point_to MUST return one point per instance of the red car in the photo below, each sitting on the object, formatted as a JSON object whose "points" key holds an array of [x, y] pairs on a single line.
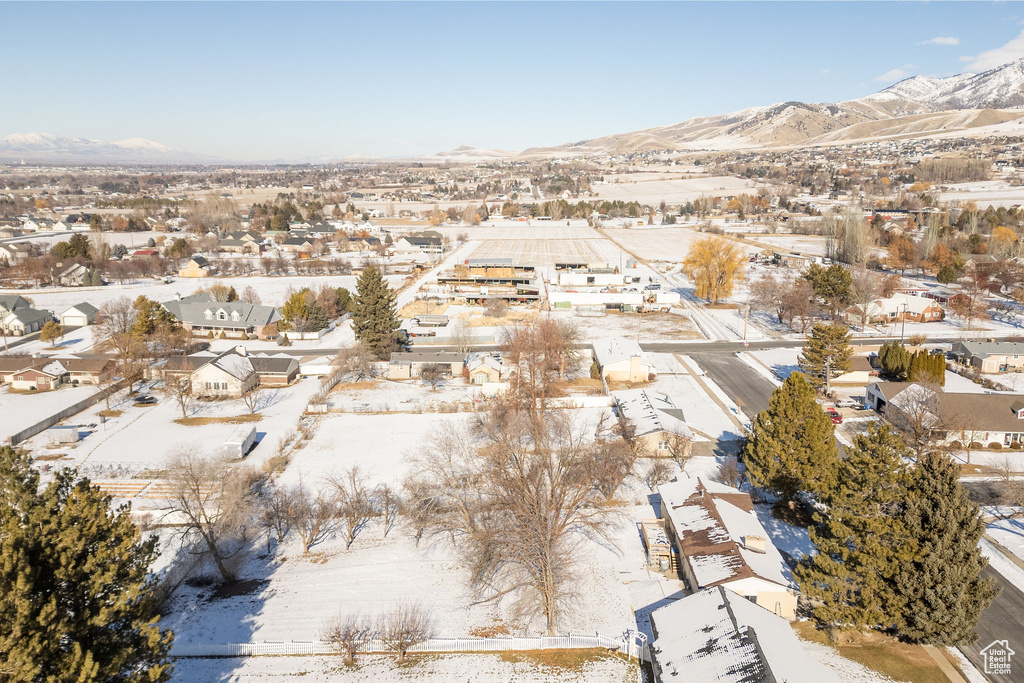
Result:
{"points": [[837, 419]]}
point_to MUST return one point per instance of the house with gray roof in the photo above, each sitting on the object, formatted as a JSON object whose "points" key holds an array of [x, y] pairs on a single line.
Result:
{"points": [[22, 321], [990, 357], [200, 314]]}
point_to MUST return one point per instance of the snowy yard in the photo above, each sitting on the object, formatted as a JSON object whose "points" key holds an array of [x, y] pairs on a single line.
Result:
{"points": [[21, 409], [482, 668], [702, 413], [142, 437]]}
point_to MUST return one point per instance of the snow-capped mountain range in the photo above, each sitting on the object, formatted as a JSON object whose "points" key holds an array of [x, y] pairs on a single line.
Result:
{"points": [[920, 106], [991, 102], [40, 147]]}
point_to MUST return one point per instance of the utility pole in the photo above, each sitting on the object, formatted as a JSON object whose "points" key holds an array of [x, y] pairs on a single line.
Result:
{"points": [[746, 314], [904, 327]]}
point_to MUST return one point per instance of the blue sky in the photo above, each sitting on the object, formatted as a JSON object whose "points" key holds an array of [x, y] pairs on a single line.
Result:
{"points": [[295, 80]]}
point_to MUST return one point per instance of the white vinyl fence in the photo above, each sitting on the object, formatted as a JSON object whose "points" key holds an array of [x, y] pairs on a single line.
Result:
{"points": [[632, 644]]}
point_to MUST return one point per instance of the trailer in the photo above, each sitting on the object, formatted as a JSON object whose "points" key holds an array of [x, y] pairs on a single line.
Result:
{"points": [[240, 442], [63, 434]]}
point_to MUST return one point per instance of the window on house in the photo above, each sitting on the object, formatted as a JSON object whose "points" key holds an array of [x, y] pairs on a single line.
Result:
{"points": [[663, 445], [234, 315], [221, 315], [208, 315], [208, 386]]}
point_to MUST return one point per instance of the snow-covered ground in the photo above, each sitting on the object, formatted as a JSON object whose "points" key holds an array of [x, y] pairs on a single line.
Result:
{"points": [[78, 340], [142, 437], [21, 410], [782, 362], [702, 413], [482, 668], [1010, 534], [1010, 571], [271, 290]]}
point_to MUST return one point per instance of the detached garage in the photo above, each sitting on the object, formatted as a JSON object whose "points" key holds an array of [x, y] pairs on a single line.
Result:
{"points": [[79, 315]]}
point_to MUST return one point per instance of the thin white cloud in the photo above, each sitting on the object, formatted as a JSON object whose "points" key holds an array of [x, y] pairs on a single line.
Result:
{"points": [[990, 59], [941, 40], [897, 74]]}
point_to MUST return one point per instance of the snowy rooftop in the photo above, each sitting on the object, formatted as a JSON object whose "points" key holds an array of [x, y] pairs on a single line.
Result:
{"points": [[235, 365], [712, 522], [615, 349], [651, 412], [715, 635]]}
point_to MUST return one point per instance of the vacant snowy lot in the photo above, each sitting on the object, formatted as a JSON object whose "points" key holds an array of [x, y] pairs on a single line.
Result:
{"points": [[673, 191], [21, 409], [661, 244]]}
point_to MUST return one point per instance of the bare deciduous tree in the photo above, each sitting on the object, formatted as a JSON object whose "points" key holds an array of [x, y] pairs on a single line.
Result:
{"points": [[348, 634], [216, 504], [115, 332], [388, 503], [405, 626], [657, 472], [355, 360], [250, 296], [253, 397], [354, 501], [492, 487], [179, 389], [313, 515], [612, 463], [434, 374], [275, 511]]}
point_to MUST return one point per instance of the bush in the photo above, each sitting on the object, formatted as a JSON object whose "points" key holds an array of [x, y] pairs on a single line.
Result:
{"points": [[916, 339], [995, 445], [595, 371], [1016, 445], [975, 445], [209, 335], [956, 445], [222, 335]]}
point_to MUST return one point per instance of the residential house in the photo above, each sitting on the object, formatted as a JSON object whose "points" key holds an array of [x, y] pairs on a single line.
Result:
{"points": [[410, 364], [79, 315], [621, 360], [74, 275], [944, 295], [199, 313], [981, 264], [12, 302], [988, 419], [148, 252], [712, 635], [227, 375], [236, 246], [275, 370], [897, 308], [32, 374], [861, 373], [428, 242], [88, 370], [24, 321], [721, 542], [13, 252], [659, 425], [298, 245], [483, 368], [197, 266], [990, 357]]}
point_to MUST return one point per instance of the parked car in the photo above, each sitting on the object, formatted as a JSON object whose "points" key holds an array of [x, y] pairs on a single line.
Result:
{"points": [[144, 401], [653, 287], [837, 419]]}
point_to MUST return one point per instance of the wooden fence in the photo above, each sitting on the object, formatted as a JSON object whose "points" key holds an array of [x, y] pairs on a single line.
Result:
{"points": [[632, 644]]}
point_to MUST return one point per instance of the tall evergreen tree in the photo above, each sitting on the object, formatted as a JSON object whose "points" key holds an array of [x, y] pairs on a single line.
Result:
{"points": [[792, 447], [74, 589], [895, 360], [826, 354], [860, 539], [373, 315], [941, 587]]}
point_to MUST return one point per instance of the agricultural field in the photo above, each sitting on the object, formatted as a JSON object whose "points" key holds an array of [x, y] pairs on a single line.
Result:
{"points": [[674, 191]]}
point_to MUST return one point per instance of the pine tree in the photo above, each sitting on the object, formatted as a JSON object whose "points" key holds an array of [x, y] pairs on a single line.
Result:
{"points": [[895, 361], [941, 587], [826, 354], [74, 587], [373, 315], [860, 539], [792, 447]]}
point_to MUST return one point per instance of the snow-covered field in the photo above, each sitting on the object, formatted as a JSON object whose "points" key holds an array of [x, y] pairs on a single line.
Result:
{"points": [[270, 289], [662, 243], [142, 437], [782, 362], [673, 191], [21, 410]]}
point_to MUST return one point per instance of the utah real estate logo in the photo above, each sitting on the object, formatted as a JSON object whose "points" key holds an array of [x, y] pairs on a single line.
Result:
{"points": [[997, 657]]}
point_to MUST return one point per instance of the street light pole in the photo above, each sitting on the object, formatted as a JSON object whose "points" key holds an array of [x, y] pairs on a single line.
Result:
{"points": [[903, 328]]}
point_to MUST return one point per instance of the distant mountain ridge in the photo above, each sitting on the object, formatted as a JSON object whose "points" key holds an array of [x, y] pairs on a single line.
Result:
{"points": [[914, 107], [46, 147]]}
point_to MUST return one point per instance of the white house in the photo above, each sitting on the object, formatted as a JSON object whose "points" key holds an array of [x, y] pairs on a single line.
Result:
{"points": [[659, 424], [621, 360], [228, 375]]}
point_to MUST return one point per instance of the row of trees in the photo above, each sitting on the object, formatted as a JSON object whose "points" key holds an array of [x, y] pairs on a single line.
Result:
{"points": [[896, 547], [900, 365]]}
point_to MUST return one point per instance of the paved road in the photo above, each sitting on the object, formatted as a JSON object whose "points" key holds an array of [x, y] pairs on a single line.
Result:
{"points": [[1003, 620], [744, 385]]}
